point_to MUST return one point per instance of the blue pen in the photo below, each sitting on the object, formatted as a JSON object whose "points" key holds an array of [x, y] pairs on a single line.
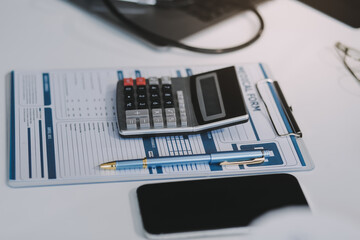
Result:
{"points": [[221, 158]]}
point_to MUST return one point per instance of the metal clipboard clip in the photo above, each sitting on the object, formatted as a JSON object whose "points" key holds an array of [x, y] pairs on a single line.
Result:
{"points": [[279, 112]]}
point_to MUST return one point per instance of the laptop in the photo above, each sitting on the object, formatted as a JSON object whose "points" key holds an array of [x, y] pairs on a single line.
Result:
{"points": [[177, 19]]}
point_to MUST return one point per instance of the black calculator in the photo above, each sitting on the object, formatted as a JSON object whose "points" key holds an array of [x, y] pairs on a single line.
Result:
{"points": [[163, 105]]}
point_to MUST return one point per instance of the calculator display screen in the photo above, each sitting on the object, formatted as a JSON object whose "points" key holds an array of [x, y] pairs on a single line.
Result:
{"points": [[211, 97]]}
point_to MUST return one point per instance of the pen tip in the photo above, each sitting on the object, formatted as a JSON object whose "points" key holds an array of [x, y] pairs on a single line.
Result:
{"points": [[109, 166]]}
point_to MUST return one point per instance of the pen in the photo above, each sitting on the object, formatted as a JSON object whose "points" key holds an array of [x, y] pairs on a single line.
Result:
{"points": [[221, 158]]}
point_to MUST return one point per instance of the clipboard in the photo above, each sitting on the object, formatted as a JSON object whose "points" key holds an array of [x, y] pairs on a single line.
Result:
{"points": [[52, 144]]}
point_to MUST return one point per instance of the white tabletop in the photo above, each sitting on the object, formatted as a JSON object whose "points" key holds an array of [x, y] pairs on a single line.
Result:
{"points": [[298, 45]]}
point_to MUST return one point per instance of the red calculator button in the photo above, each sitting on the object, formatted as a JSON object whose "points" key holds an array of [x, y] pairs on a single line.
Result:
{"points": [[140, 81], [128, 82]]}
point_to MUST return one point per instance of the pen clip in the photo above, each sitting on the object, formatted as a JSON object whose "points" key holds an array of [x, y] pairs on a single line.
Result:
{"points": [[247, 162]]}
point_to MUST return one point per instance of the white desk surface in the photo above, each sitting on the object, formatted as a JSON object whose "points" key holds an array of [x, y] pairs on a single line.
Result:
{"points": [[298, 45]]}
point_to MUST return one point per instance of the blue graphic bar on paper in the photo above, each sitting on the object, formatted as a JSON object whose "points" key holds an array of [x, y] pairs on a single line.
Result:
{"points": [[12, 130], [137, 73], [29, 152], [46, 88], [120, 75], [41, 150], [50, 144]]}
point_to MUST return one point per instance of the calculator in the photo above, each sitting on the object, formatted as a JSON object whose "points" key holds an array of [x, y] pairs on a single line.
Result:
{"points": [[164, 105]]}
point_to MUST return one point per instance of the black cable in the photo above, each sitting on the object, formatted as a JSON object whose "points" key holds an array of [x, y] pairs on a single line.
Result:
{"points": [[161, 40]]}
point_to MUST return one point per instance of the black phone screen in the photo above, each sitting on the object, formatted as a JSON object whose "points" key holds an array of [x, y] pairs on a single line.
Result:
{"points": [[214, 203]]}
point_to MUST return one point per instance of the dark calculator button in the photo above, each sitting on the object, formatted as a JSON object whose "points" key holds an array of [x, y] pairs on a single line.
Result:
{"points": [[167, 94], [141, 96], [129, 105], [129, 97], [168, 103], [166, 88], [154, 88], [141, 89], [128, 89], [154, 95], [155, 103], [142, 105]]}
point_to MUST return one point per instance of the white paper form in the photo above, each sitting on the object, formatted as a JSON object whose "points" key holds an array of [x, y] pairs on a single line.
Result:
{"points": [[64, 126]]}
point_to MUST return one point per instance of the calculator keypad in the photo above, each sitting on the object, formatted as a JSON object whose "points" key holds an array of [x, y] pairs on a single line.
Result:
{"points": [[150, 104]]}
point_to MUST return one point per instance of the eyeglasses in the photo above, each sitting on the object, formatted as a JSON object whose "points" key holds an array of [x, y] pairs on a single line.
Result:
{"points": [[350, 58]]}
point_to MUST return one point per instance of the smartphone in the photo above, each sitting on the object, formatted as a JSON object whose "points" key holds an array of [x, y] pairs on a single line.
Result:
{"points": [[213, 206]]}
